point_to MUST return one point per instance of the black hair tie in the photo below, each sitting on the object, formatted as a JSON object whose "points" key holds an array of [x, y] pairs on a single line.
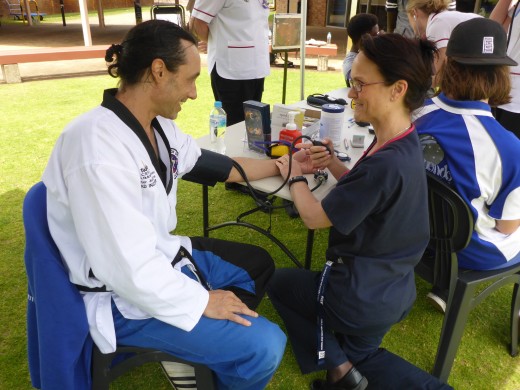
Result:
{"points": [[113, 49]]}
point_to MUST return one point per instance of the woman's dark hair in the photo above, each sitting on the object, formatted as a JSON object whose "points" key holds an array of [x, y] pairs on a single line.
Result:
{"points": [[476, 82], [360, 24], [400, 58], [144, 43]]}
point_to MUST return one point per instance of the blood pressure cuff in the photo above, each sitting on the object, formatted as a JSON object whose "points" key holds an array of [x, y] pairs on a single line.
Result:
{"points": [[318, 100], [210, 168]]}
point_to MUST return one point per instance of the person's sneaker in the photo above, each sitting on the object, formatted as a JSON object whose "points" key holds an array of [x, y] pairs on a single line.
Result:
{"points": [[437, 302], [181, 376]]}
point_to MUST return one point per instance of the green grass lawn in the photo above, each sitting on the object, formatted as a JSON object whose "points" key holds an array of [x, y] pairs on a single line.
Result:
{"points": [[33, 115]]}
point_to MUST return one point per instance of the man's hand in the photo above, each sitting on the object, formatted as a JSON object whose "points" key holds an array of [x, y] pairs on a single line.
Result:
{"points": [[203, 47], [225, 305], [283, 165]]}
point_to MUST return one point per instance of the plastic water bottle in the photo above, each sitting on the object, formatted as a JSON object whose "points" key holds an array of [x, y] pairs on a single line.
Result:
{"points": [[217, 127], [329, 37]]}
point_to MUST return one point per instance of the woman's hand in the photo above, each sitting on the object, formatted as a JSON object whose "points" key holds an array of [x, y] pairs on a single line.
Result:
{"points": [[302, 158], [320, 156]]}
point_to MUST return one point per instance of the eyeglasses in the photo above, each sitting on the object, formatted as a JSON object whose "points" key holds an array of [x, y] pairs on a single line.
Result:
{"points": [[358, 85]]}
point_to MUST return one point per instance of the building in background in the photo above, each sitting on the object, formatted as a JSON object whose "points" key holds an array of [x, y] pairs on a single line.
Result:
{"points": [[331, 13]]}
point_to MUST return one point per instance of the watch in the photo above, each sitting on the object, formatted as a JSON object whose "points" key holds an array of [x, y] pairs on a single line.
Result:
{"points": [[296, 179]]}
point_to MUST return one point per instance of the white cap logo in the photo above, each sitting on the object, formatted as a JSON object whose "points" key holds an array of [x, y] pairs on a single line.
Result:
{"points": [[488, 46]]}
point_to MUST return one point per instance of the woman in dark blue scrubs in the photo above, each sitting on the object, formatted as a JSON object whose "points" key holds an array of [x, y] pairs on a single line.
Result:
{"points": [[378, 220]]}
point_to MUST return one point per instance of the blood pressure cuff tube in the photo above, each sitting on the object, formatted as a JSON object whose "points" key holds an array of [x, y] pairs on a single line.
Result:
{"points": [[210, 168]]}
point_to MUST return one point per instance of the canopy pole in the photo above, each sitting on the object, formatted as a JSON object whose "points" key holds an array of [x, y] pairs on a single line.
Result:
{"points": [[85, 24], [302, 48], [101, 14], [27, 12]]}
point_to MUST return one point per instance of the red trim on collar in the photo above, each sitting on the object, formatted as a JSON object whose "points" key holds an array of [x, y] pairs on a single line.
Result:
{"points": [[412, 128]]}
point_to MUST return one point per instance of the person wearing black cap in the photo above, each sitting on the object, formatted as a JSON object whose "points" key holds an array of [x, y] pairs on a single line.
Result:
{"points": [[466, 147], [431, 19], [507, 12]]}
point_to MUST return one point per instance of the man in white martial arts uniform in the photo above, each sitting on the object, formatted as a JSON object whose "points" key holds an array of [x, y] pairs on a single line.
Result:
{"points": [[111, 194]]}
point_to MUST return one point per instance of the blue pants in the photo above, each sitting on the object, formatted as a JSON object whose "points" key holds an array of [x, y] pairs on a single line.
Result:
{"points": [[242, 358]]}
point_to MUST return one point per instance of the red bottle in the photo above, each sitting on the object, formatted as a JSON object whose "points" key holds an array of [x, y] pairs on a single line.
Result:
{"points": [[291, 132]]}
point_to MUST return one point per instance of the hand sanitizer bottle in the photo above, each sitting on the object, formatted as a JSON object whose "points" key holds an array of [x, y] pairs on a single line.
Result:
{"points": [[291, 132]]}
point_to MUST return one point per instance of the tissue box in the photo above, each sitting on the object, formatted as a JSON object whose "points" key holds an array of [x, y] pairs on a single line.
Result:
{"points": [[280, 118], [306, 121]]}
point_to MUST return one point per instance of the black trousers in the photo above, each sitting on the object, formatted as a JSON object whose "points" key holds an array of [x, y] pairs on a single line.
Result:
{"points": [[293, 293], [232, 93], [387, 371], [510, 120]]}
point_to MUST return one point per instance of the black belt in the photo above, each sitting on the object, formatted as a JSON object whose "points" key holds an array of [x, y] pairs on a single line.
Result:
{"points": [[182, 253], [91, 289]]}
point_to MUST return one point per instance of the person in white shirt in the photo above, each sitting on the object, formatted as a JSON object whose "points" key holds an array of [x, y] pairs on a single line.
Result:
{"points": [[237, 33], [111, 195], [431, 19], [507, 12], [397, 20]]}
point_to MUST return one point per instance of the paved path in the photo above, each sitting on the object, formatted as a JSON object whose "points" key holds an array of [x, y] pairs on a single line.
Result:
{"points": [[46, 34], [18, 35]]}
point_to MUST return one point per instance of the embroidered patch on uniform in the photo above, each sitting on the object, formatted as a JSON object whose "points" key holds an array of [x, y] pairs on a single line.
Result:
{"points": [[488, 46], [434, 161], [148, 177], [174, 160]]}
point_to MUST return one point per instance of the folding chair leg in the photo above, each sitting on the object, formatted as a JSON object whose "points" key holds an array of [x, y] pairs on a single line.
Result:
{"points": [[515, 309], [100, 368], [452, 330], [204, 377]]}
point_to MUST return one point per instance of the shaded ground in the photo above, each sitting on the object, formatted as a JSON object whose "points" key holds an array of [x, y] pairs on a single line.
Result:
{"points": [[16, 35]]}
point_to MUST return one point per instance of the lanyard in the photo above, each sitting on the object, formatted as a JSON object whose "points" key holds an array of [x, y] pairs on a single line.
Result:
{"points": [[321, 312]]}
